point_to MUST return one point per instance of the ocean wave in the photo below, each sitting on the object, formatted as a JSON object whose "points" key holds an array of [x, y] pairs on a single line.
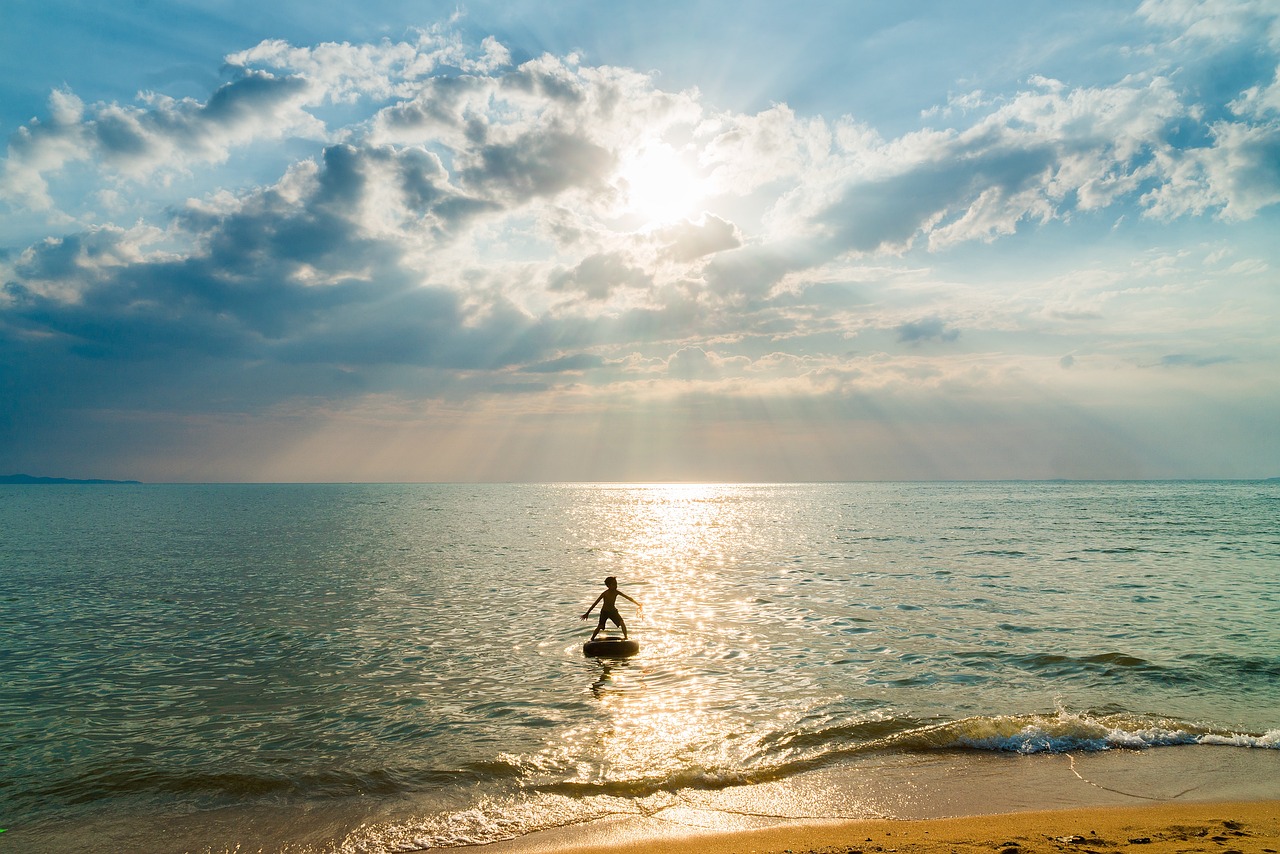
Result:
{"points": [[1067, 732], [1249, 667], [1269, 740], [1061, 665], [138, 779], [787, 753], [779, 755], [551, 805], [1191, 669]]}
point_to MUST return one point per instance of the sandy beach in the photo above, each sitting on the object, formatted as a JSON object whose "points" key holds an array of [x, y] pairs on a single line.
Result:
{"points": [[1244, 828]]}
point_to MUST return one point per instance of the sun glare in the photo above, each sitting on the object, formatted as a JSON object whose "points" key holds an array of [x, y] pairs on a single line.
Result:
{"points": [[659, 185]]}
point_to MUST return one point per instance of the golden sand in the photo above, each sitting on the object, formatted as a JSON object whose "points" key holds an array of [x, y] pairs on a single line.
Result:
{"points": [[1225, 828]]}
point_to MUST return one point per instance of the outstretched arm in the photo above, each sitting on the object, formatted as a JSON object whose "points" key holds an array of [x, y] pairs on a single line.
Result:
{"points": [[629, 599], [594, 604]]}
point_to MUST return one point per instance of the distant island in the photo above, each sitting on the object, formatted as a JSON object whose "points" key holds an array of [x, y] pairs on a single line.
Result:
{"points": [[31, 479]]}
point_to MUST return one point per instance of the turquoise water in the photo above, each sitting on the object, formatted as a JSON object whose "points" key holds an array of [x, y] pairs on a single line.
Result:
{"points": [[366, 667]]}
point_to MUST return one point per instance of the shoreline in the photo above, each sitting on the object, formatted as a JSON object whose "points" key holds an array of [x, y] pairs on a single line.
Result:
{"points": [[1179, 799], [1251, 827], [959, 796]]}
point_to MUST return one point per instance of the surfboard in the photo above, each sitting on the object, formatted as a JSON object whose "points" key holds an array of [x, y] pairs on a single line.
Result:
{"points": [[611, 647]]}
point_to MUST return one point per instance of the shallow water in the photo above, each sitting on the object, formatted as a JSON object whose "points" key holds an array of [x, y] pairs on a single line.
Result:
{"points": [[405, 660]]}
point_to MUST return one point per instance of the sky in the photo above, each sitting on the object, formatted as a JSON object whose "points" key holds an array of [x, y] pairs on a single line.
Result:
{"points": [[639, 241]]}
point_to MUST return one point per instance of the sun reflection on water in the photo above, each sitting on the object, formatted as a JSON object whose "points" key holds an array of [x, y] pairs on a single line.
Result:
{"points": [[669, 736], [678, 526], [662, 716]]}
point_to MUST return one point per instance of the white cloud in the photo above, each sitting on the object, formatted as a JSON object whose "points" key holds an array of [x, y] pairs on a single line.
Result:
{"points": [[1216, 21], [346, 72], [1033, 157], [742, 153], [40, 148], [1238, 175], [1259, 101]]}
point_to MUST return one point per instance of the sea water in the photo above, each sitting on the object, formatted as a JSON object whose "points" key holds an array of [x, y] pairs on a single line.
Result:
{"points": [[386, 667]]}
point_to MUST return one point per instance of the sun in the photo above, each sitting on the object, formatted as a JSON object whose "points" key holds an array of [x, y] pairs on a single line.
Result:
{"points": [[658, 185]]}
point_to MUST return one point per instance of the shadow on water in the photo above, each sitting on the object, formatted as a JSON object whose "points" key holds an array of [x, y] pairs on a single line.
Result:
{"points": [[604, 683], [614, 675]]}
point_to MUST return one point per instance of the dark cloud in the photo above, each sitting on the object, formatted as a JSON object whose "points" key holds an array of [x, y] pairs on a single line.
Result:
{"points": [[285, 291], [926, 329], [597, 276], [517, 388], [248, 101], [572, 363], [1185, 360], [889, 212], [688, 241], [68, 256], [253, 96], [121, 135], [423, 179], [425, 188], [546, 78], [168, 131], [539, 163], [752, 271], [438, 104]]}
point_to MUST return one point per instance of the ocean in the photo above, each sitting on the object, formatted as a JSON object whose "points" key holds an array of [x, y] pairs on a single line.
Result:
{"points": [[360, 668]]}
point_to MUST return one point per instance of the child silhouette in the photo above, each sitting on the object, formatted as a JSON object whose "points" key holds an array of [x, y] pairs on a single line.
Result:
{"points": [[608, 607]]}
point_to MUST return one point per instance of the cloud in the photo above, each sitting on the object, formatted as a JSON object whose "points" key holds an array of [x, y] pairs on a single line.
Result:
{"points": [[926, 329], [442, 222], [1259, 101], [688, 241], [490, 155], [1239, 175], [693, 363], [57, 261], [296, 272], [1186, 360], [163, 136], [1215, 21], [1036, 156], [743, 153], [539, 163], [598, 276], [753, 270], [573, 363], [346, 72], [886, 214]]}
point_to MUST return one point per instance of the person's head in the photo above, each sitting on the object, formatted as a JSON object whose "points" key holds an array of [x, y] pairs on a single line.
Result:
{"points": [[611, 582]]}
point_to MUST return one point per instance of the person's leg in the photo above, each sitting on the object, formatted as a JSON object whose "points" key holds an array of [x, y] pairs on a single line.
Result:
{"points": [[611, 615], [617, 621], [599, 626]]}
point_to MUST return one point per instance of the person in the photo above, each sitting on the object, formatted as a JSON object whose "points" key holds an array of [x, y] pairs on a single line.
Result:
{"points": [[609, 608]]}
